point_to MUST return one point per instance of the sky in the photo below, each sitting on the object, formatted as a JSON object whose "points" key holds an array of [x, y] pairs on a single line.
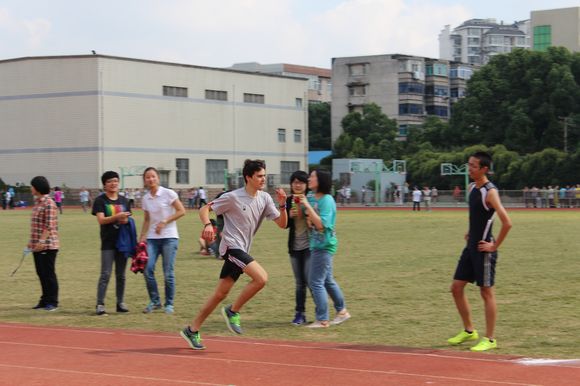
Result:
{"points": [[219, 33]]}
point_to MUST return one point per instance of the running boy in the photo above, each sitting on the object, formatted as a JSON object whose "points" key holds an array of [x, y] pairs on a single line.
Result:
{"points": [[477, 262], [243, 209]]}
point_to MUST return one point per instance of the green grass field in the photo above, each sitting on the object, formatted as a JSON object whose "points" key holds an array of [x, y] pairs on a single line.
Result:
{"points": [[395, 268]]}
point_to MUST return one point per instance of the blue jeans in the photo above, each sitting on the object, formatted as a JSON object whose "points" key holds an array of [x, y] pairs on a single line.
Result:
{"points": [[300, 261], [167, 248], [322, 284]]}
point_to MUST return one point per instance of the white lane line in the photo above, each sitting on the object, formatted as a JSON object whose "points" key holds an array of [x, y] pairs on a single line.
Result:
{"points": [[48, 370], [244, 361]]}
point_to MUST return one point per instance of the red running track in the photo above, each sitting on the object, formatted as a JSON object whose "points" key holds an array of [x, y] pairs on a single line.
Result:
{"points": [[33, 355]]}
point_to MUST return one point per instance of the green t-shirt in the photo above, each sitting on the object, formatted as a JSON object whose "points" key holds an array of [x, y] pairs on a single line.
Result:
{"points": [[326, 209]]}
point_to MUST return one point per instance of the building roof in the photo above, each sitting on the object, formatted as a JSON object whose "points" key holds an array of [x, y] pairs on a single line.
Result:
{"points": [[60, 57], [478, 23], [298, 69]]}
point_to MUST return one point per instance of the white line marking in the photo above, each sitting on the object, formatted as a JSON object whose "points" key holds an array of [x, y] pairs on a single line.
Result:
{"points": [[110, 375], [228, 360], [546, 362]]}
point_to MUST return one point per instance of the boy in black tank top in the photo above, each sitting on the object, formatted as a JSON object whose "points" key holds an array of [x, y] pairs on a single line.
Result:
{"points": [[477, 262]]}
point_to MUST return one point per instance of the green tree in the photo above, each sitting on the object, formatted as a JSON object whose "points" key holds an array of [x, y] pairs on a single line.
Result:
{"points": [[319, 126], [370, 134], [518, 99]]}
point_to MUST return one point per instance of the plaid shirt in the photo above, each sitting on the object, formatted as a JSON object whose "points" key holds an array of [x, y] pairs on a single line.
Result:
{"points": [[44, 223]]}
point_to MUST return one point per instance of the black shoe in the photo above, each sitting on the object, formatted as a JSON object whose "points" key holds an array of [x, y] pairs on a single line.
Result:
{"points": [[101, 310], [39, 306], [122, 307]]}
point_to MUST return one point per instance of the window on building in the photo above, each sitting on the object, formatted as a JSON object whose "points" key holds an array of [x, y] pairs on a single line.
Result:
{"points": [[298, 103], [411, 88], [314, 84], [175, 91], [282, 135], [473, 41], [403, 130], [355, 109], [440, 111], [215, 170], [441, 91], [298, 136], [440, 69], [542, 37], [357, 90], [254, 98], [410, 109], [358, 69], [474, 59], [217, 95], [286, 170], [182, 165]]}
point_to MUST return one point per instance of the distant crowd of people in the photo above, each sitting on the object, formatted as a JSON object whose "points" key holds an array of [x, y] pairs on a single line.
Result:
{"points": [[552, 196]]}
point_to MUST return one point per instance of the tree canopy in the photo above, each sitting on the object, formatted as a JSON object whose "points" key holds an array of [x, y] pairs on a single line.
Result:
{"points": [[521, 100], [522, 107]]}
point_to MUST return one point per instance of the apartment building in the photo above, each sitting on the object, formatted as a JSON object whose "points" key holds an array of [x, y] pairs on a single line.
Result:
{"points": [[407, 88], [475, 41]]}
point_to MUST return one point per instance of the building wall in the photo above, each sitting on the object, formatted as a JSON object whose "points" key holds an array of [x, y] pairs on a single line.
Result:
{"points": [[381, 82], [126, 121], [565, 26], [49, 120], [407, 88]]}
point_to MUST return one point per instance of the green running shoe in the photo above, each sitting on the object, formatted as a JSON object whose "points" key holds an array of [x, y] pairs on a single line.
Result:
{"points": [[232, 320], [484, 345], [192, 338], [463, 336]]}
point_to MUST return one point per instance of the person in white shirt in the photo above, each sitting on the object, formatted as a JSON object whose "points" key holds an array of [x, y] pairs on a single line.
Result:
{"points": [[417, 194], [202, 194], [162, 208]]}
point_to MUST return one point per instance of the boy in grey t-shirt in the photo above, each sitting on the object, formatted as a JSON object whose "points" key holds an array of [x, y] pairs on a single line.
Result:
{"points": [[243, 210]]}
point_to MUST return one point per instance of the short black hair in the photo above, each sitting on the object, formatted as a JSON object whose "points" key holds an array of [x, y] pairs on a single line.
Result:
{"points": [[299, 175], [252, 166], [40, 184], [108, 175], [324, 181], [484, 159]]}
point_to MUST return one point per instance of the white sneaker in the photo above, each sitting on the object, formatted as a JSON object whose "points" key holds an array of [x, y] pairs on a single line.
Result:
{"points": [[319, 324], [342, 316]]}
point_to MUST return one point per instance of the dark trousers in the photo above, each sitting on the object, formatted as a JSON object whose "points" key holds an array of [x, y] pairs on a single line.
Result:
{"points": [[45, 263], [300, 261]]}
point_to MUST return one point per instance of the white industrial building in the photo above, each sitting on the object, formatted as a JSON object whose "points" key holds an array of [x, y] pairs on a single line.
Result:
{"points": [[70, 118]]}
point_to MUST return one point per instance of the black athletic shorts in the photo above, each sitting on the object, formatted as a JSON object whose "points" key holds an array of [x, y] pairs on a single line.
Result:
{"points": [[478, 267], [235, 261]]}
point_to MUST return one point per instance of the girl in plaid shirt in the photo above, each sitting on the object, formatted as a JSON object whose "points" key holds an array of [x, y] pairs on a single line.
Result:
{"points": [[44, 242]]}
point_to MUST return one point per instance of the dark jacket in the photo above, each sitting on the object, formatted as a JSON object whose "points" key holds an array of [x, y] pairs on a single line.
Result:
{"points": [[127, 240], [290, 224]]}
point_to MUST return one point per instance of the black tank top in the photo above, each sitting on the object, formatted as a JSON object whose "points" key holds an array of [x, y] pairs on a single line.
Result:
{"points": [[479, 213]]}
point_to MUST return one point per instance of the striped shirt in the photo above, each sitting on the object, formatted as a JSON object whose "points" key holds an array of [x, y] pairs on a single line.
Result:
{"points": [[44, 223]]}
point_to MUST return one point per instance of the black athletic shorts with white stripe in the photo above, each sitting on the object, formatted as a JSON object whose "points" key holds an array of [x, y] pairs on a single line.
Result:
{"points": [[478, 267], [235, 261]]}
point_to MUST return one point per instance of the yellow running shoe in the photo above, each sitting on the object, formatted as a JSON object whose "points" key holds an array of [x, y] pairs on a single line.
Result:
{"points": [[463, 336], [484, 345]]}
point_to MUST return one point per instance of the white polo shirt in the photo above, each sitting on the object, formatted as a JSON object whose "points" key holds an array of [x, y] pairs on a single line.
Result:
{"points": [[159, 208]]}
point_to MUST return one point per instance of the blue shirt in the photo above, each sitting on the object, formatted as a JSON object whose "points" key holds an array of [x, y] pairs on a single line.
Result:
{"points": [[326, 209]]}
